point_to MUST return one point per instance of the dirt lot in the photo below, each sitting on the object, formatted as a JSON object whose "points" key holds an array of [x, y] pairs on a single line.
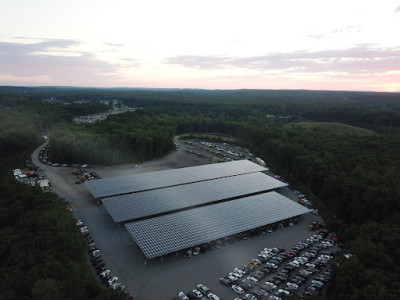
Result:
{"points": [[162, 279]]}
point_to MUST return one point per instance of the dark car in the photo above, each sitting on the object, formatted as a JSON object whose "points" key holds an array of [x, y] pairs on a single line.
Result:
{"points": [[262, 274], [266, 270], [225, 281], [245, 287], [100, 265]]}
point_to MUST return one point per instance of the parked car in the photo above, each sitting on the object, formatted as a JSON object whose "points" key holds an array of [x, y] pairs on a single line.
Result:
{"points": [[112, 280], [212, 296], [225, 281], [237, 289], [252, 279], [203, 288], [183, 296], [250, 297], [105, 273], [197, 293], [196, 251], [292, 286], [188, 253]]}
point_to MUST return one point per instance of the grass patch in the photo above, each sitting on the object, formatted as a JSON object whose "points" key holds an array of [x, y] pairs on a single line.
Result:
{"points": [[336, 128]]}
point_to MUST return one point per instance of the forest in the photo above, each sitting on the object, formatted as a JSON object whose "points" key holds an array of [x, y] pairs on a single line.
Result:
{"points": [[43, 256], [354, 180]]}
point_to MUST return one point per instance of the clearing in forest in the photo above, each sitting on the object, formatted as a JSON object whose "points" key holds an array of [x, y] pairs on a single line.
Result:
{"points": [[336, 128]]}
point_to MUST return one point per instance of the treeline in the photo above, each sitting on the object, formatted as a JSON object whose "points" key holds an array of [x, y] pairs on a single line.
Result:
{"points": [[376, 111], [45, 114], [43, 256], [129, 137]]}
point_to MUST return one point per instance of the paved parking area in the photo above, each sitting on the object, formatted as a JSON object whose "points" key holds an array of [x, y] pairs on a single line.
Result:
{"points": [[163, 279]]}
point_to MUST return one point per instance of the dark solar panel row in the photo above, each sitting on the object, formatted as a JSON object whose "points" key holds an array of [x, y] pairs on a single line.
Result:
{"points": [[148, 203], [173, 232], [141, 182]]}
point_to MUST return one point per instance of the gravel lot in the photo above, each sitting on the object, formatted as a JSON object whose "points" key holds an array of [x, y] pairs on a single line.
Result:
{"points": [[162, 279]]}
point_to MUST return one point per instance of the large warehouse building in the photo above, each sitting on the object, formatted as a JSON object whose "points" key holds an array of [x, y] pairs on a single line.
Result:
{"points": [[171, 210]]}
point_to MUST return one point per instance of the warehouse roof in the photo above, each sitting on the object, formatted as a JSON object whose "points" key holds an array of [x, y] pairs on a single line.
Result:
{"points": [[176, 231], [141, 182], [143, 204]]}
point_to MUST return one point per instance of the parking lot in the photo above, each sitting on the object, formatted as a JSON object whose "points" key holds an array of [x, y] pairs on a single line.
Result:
{"points": [[164, 278]]}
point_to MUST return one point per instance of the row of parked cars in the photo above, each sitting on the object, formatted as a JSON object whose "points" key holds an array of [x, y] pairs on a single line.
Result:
{"points": [[277, 273], [98, 263], [240, 236], [201, 292]]}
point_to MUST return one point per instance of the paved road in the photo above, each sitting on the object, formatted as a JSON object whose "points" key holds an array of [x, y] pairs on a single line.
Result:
{"points": [[162, 279]]}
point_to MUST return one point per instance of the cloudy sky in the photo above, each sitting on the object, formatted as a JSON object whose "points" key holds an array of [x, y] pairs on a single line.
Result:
{"points": [[309, 44]]}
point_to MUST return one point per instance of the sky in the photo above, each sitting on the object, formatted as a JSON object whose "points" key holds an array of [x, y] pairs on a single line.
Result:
{"points": [[219, 44]]}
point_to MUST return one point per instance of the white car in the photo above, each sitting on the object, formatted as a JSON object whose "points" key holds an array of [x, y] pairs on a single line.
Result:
{"points": [[250, 297], [96, 253], [295, 263], [273, 286], [252, 279], [282, 291], [183, 296], [239, 271], [212, 296], [188, 253], [196, 251], [197, 293], [115, 285], [237, 289], [292, 286], [203, 288], [105, 273], [272, 265], [231, 278], [112, 280], [302, 260], [236, 275], [310, 265]]}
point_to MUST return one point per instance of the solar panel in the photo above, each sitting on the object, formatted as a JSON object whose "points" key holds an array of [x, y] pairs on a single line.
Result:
{"points": [[146, 181], [173, 232], [143, 204]]}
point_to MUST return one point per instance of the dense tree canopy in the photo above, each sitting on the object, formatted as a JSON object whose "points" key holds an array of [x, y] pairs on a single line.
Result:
{"points": [[354, 180], [42, 254]]}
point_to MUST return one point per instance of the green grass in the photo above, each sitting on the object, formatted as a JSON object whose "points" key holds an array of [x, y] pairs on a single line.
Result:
{"points": [[335, 128]]}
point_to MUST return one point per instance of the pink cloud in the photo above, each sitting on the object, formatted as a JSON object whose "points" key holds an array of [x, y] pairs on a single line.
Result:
{"points": [[24, 61], [361, 59]]}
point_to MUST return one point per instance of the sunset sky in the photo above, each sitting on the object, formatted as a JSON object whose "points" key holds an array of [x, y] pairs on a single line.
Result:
{"points": [[324, 45]]}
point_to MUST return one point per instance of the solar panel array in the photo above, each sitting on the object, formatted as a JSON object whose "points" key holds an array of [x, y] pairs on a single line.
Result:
{"points": [[176, 231], [140, 182], [142, 204]]}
